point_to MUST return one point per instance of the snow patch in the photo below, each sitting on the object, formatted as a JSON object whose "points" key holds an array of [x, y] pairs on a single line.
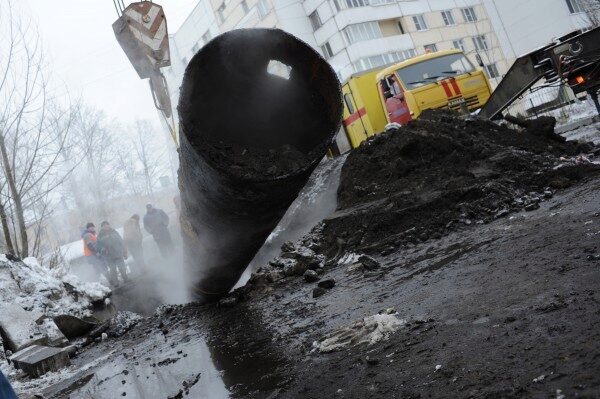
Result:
{"points": [[50, 291], [369, 330], [123, 321], [349, 258]]}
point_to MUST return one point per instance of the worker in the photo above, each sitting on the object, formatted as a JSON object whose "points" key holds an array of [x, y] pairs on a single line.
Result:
{"points": [[90, 250], [113, 252], [156, 222], [132, 236]]}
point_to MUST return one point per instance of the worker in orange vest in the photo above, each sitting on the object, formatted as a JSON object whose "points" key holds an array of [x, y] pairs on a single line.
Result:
{"points": [[90, 250]]}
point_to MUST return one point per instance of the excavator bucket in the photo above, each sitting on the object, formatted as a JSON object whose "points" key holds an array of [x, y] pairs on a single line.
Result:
{"points": [[141, 31]]}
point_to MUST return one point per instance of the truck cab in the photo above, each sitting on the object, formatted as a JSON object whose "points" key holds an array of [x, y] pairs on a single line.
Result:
{"points": [[442, 79]]}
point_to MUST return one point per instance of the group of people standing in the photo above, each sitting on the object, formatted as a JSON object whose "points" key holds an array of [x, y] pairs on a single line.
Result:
{"points": [[106, 250]]}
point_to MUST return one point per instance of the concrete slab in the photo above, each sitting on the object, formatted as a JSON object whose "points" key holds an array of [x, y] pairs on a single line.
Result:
{"points": [[19, 327], [55, 335], [567, 127], [37, 360]]}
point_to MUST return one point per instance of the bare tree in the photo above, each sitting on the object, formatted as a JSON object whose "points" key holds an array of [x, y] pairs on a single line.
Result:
{"points": [[150, 156], [33, 132], [129, 172]]}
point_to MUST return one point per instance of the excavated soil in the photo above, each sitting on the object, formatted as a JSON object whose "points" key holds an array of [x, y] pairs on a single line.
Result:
{"points": [[442, 172], [482, 260]]}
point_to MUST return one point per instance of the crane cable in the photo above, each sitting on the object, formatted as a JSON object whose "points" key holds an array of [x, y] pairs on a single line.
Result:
{"points": [[119, 7]]}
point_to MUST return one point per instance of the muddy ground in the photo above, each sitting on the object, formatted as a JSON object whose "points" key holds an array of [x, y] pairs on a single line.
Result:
{"points": [[490, 262]]}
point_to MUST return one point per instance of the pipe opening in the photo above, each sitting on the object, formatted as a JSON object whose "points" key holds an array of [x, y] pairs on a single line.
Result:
{"points": [[259, 104]]}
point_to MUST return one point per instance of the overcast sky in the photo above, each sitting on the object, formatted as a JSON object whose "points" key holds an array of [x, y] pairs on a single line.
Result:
{"points": [[86, 59]]}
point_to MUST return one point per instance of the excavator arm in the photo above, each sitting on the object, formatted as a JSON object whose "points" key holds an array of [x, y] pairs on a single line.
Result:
{"points": [[573, 59]]}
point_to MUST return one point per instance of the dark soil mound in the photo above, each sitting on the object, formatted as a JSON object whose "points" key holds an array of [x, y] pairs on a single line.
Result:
{"points": [[416, 182]]}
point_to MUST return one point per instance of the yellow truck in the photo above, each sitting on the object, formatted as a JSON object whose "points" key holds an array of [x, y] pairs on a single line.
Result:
{"points": [[401, 92]]}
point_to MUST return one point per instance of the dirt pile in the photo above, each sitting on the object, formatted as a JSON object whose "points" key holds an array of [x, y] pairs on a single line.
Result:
{"points": [[442, 172]]}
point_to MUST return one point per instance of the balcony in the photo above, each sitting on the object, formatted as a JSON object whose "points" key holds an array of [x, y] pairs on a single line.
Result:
{"points": [[380, 45]]}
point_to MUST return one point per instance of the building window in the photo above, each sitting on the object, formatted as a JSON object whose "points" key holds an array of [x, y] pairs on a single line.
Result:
{"points": [[380, 2], [206, 37], [459, 45], [195, 48], [348, 101], [419, 22], [327, 52], [245, 7], [185, 61], [383, 59], [315, 21], [344, 4], [400, 27], [221, 13], [263, 7], [492, 70], [430, 48], [359, 32], [574, 6], [480, 43], [448, 17], [469, 14]]}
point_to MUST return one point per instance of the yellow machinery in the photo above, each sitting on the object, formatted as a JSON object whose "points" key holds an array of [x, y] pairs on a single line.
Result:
{"points": [[401, 92], [363, 113]]}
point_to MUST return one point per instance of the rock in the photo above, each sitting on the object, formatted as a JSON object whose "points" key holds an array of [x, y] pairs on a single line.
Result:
{"points": [[548, 194], [19, 327], [501, 213], [368, 262], [371, 361], [317, 292], [228, 302], [55, 336], [122, 322], [532, 207], [37, 360], [277, 262], [287, 246], [327, 284], [274, 276], [289, 269], [310, 276]]}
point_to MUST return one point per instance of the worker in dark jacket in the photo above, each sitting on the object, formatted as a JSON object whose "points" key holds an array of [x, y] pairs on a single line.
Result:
{"points": [[156, 222], [112, 250], [132, 235]]}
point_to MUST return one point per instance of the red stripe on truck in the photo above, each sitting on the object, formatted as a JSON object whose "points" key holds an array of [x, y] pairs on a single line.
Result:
{"points": [[446, 88], [355, 116], [455, 87]]}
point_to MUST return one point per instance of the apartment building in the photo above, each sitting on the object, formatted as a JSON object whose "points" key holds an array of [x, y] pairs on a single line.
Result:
{"points": [[355, 35]]}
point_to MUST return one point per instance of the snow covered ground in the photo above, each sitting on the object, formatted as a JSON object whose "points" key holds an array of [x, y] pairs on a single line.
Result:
{"points": [[585, 133], [49, 291]]}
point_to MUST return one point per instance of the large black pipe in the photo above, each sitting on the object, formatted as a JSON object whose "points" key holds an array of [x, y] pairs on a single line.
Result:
{"points": [[249, 140]]}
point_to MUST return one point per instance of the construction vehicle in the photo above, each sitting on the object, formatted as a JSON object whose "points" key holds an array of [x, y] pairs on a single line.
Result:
{"points": [[401, 92], [572, 60], [141, 30]]}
